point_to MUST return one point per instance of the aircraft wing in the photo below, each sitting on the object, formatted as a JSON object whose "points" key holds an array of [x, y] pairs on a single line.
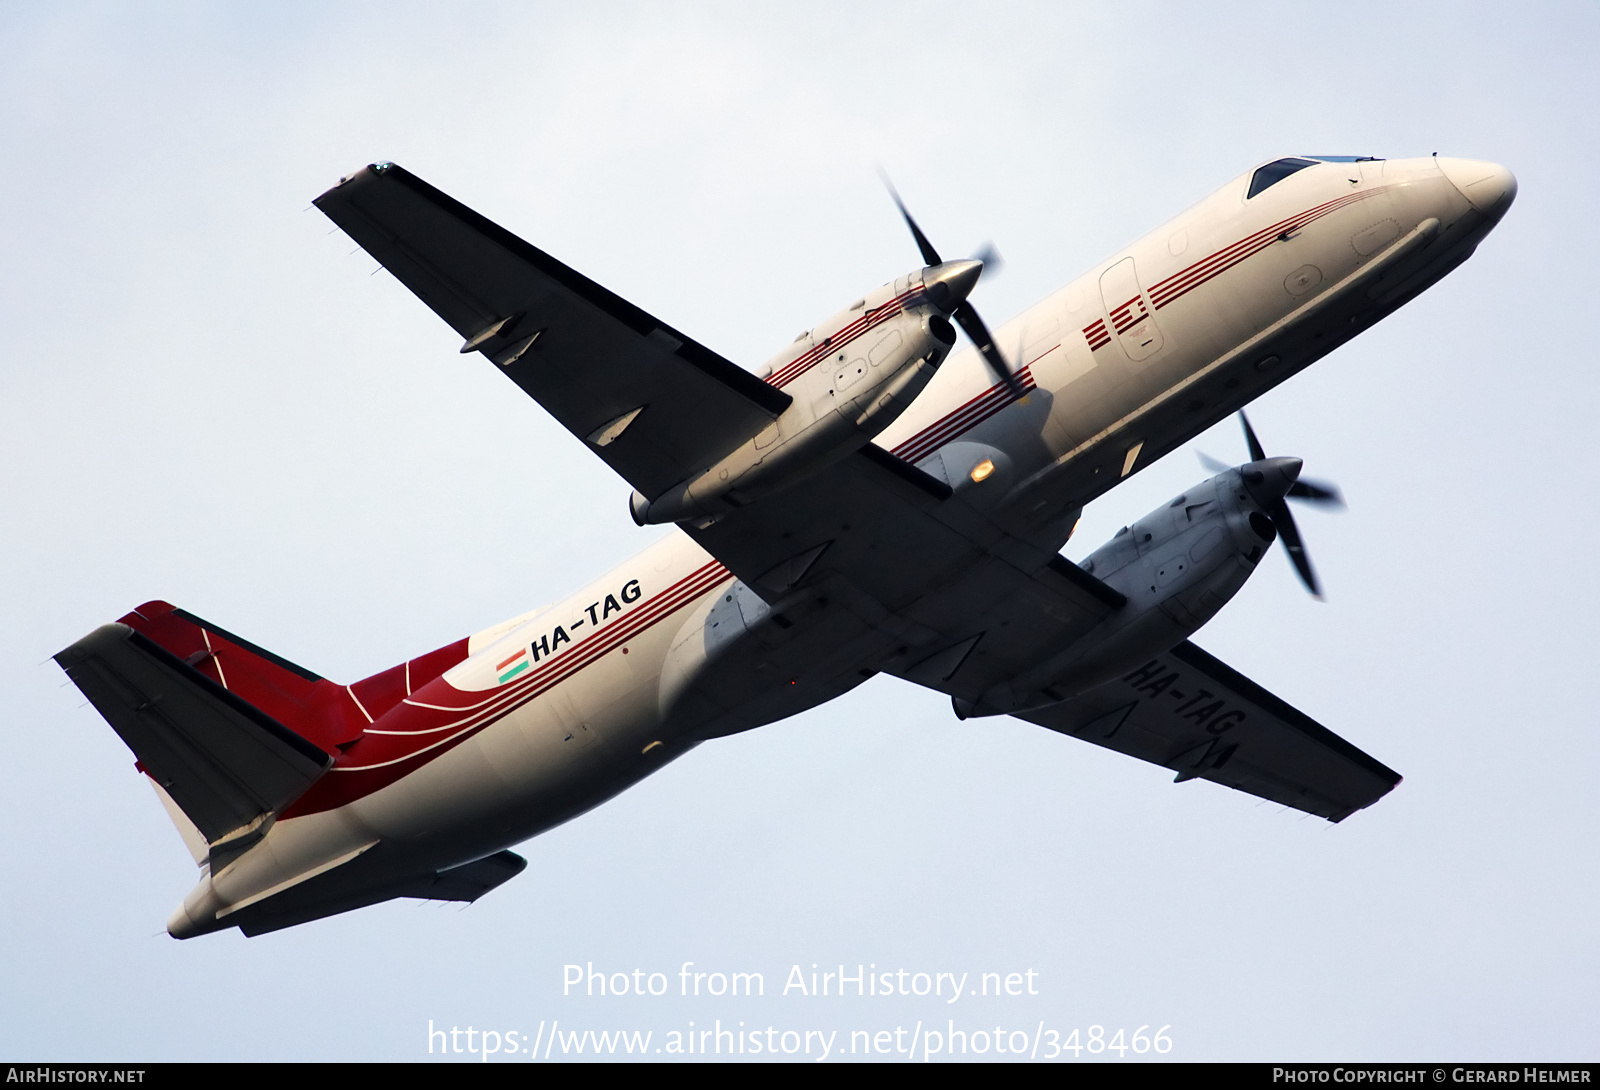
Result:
{"points": [[1189, 712], [871, 534], [654, 404], [971, 607], [926, 586]]}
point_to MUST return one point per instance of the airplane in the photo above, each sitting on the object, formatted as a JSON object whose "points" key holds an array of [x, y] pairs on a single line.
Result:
{"points": [[870, 500]]}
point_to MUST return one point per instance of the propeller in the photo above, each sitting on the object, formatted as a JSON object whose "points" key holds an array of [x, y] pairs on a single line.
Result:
{"points": [[1274, 481], [964, 313], [988, 255]]}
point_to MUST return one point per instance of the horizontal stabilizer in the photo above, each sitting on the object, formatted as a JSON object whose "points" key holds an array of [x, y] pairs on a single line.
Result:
{"points": [[222, 760], [469, 881], [345, 889]]}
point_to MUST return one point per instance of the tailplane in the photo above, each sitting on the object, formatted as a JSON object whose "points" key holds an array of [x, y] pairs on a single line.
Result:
{"points": [[229, 733]]}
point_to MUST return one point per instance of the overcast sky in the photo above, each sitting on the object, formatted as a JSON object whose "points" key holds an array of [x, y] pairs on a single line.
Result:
{"points": [[206, 398]]}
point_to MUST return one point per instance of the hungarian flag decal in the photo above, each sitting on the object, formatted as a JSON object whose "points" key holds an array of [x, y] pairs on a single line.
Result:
{"points": [[512, 666]]}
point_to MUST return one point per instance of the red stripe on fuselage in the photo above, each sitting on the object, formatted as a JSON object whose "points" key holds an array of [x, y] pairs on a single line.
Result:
{"points": [[869, 320], [1186, 280], [963, 419], [980, 408], [427, 726]]}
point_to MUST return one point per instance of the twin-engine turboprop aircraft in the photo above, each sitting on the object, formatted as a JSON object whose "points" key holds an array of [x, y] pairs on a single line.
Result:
{"points": [[864, 502]]}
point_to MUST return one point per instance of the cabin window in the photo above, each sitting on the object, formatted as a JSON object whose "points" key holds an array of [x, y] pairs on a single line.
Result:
{"points": [[1273, 173]]}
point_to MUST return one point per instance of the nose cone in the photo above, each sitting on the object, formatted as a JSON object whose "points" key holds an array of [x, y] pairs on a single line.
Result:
{"points": [[950, 283], [1268, 479], [1489, 186]]}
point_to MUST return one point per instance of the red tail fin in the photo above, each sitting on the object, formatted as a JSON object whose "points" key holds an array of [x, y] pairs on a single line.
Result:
{"points": [[311, 706], [322, 711], [231, 734]]}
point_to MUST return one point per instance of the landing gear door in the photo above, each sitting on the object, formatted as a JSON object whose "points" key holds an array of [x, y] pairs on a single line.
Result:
{"points": [[1132, 316]]}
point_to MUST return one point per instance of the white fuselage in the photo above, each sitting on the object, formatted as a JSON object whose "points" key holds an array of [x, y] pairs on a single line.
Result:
{"points": [[605, 689]]}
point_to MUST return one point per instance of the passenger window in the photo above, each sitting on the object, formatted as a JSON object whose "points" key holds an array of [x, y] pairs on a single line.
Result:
{"points": [[1273, 173]]}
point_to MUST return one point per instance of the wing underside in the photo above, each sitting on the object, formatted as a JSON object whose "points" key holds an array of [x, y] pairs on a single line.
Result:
{"points": [[1189, 712], [649, 400]]}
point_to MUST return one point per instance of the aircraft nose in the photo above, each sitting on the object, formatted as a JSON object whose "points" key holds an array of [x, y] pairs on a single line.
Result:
{"points": [[948, 284], [1489, 186]]}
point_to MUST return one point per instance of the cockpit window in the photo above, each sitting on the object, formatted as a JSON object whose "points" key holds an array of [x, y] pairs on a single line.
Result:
{"points": [[1273, 173], [1344, 158]]}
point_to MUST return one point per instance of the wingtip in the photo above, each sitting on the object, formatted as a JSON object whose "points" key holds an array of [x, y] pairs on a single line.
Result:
{"points": [[382, 166]]}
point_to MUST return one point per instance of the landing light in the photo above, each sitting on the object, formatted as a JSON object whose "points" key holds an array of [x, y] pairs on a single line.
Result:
{"points": [[982, 469]]}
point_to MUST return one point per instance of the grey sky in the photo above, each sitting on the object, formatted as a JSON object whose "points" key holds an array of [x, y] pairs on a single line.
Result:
{"points": [[204, 397]]}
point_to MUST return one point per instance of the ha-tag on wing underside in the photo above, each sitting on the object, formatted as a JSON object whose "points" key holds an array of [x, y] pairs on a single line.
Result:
{"points": [[1187, 711]]}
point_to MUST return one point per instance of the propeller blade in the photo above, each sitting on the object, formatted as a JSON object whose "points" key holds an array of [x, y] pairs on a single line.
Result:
{"points": [[930, 256], [1256, 453], [978, 334], [1289, 534], [1211, 463], [990, 256], [1278, 510], [1319, 492], [964, 314]]}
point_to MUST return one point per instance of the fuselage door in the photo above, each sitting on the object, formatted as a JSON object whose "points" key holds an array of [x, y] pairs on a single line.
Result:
{"points": [[1132, 316]]}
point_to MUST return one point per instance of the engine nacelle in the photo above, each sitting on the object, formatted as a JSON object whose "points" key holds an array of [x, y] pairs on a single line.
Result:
{"points": [[1177, 567], [850, 378]]}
